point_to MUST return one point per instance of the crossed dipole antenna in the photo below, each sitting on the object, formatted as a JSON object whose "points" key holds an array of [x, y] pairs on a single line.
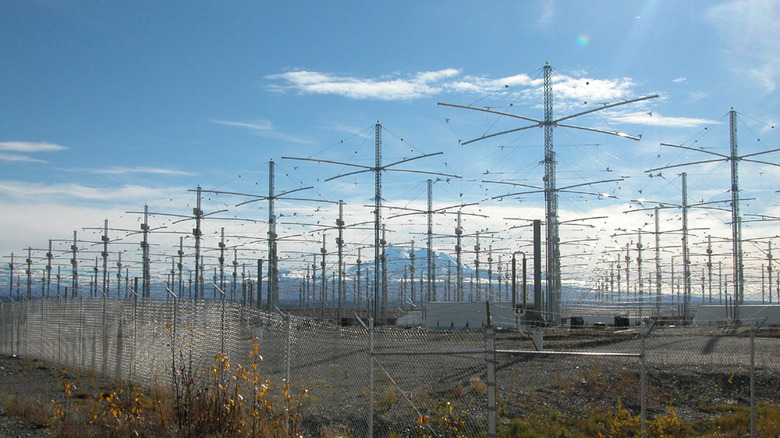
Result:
{"points": [[380, 290], [550, 188], [429, 212], [273, 238], [736, 219]]}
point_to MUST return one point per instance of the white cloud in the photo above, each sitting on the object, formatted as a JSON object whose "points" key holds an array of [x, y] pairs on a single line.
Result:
{"points": [[27, 146], [655, 119], [593, 90], [679, 80], [76, 192], [423, 84], [749, 30], [419, 85], [262, 128], [117, 170], [19, 158]]}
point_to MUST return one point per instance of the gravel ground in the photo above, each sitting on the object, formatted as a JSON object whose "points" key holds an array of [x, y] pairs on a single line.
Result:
{"points": [[34, 379]]}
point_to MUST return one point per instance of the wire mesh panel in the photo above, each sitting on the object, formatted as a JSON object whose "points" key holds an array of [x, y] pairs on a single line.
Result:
{"points": [[331, 363], [328, 380], [430, 383], [550, 381]]}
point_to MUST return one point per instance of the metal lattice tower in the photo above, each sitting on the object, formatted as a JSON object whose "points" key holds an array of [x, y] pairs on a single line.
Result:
{"points": [[551, 203], [657, 264], [459, 265], [48, 271], [552, 255], [736, 219], [380, 288], [686, 254], [378, 310], [104, 254], [75, 264], [340, 244], [273, 268], [145, 253], [197, 233], [431, 267]]}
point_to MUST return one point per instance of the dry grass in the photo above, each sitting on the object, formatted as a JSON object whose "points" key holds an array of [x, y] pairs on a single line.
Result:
{"points": [[31, 410]]}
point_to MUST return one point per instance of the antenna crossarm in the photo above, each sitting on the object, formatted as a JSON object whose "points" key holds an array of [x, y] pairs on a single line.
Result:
{"points": [[611, 105], [501, 133], [512, 184], [406, 160], [760, 162], [761, 153], [591, 183], [601, 131], [695, 150], [317, 160], [487, 110], [683, 164], [425, 172], [350, 173]]}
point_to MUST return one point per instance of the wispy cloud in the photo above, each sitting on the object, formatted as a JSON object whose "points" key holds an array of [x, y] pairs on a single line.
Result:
{"points": [[424, 84], [386, 88], [750, 30], [116, 170], [28, 146], [19, 158], [655, 119], [72, 191], [262, 128]]}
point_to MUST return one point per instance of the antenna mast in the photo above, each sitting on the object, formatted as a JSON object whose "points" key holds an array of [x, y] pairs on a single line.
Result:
{"points": [[550, 190], [378, 310], [431, 267]]}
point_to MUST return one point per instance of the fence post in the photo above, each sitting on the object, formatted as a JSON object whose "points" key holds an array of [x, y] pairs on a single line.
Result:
{"points": [[104, 358], [40, 326], [81, 333], [173, 337], [371, 377], [490, 362], [61, 312], [287, 355], [753, 380], [643, 379]]}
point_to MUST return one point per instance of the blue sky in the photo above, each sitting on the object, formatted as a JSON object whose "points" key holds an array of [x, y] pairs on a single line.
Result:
{"points": [[110, 105]]}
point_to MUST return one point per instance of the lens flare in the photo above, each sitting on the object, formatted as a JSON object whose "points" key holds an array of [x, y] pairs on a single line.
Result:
{"points": [[583, 40]]}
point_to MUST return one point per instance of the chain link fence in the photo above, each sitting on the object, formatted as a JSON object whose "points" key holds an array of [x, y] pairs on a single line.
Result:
{"points": [[386, 381]]}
